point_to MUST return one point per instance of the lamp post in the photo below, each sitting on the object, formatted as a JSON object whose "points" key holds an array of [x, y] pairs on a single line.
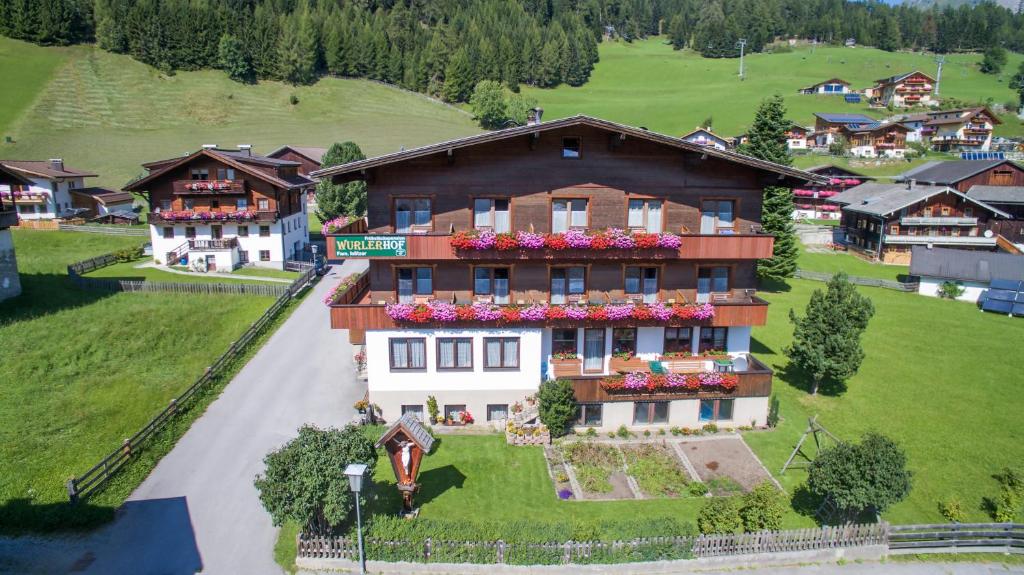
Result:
{"points": [[355, 472]]}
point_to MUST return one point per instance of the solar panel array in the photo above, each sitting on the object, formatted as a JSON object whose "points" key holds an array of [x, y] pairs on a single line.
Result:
{"points": [[1004, 296], [982, 156], [853, 98]]}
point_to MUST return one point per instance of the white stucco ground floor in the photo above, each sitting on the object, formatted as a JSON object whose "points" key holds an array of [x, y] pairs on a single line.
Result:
{"points": [[930, 286], [224, 246], [487, 371]]}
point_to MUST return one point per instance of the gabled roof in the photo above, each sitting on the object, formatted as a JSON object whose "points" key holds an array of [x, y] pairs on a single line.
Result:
{"points": [[873, 127], [704, 131], [103, 195], [517, 131], [949, 172], [412, 427], [963, 115], [997, 194], [830, 169], [829, 81], [239, 160], [882, 199], [11, 177], [923, 117], [845, 118], [901, 77], [308, 152], [44, 169], [965, 265]]}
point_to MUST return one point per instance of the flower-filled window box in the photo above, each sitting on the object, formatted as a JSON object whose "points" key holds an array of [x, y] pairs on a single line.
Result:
{"points": [[442, 312], [610, 239], [566, 364], [641, 382]]}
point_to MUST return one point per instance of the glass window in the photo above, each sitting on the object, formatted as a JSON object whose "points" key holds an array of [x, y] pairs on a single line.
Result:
{"points": [[168, 233], [491, 214], [200, 174], [497, 411], [589, 414], [190, 232], [713, 339], [413, 282], [645, 215], [648, 412], [408, 352], [263, 204], [412, 214], [454, 353], [264, 231], [711, 280], [707, 410], [416, 410], [725, 409], [501, 352], [189, 203], [571, 148], [241, 204], [453, 412], [567, 281], [678, 339], [492, 282], [264, 255], [716, 217], [567, 214], [593, 350], [716, 409], [243, 231], [243, 257], [225, 173], [165, 204], [624, 341], [563, 341], [642, 281]]}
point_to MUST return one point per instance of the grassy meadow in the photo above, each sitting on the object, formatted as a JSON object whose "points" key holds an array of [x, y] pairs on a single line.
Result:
{"points": [[83, 370], [26, 69], [109, 113], [646, 83]]}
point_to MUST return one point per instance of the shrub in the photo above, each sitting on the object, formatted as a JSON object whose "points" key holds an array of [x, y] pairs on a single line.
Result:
{"points": [[557, 406], [647, 433], [128, 254], [710, 428], [951, 290], [293, 100], [623, 432], [591, 432], [675, 431], [1006, 506], [432, 408], [719, 515], [611, 435], [762, 509], [952, 509], [773, 411], [870, 475], [661, 431], [698, 489]]}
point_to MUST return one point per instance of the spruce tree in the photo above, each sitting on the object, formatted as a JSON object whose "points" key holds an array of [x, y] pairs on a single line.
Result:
{"points": [[458, 78], [297, 50], [767, 141], [677, 32]]}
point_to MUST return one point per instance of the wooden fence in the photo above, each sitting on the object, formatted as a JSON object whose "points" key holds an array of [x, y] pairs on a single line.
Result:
{"points": [[951, 537], [872, 282], [76, 270], [108, 230], [571, 552], [87, 483]]}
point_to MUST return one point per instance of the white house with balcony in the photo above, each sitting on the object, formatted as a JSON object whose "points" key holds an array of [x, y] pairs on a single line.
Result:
{"points": [[49, 195]]}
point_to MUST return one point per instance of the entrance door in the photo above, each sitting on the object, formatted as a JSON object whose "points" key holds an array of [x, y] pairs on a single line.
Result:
{"points": [[211, 263], [593, 350]]}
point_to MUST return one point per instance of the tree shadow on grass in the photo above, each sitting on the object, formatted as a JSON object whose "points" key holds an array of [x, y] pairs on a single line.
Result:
{"points": [[775, 286], [758, 347], [43, 294], [806, 503], [386, 498], [800, 379]]}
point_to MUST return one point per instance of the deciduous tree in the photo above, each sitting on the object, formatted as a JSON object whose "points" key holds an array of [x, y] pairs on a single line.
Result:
{"points": [[868, 476], [349, 199], [233, 59]]}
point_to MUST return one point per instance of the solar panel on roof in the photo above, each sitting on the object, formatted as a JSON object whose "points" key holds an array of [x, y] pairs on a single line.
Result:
{"points": [[1018, 309], [1002, 294], [998, 306], [1006, 284]]}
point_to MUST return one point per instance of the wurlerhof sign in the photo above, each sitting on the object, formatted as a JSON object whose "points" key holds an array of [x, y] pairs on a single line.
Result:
{"points": [[369, 246]]}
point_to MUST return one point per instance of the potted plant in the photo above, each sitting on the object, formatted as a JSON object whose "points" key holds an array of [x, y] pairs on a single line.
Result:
{"points": [[361, 406], [566, 363], [432, 409]]}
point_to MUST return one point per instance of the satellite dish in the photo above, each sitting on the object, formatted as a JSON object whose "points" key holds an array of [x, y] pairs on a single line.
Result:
{"points": [[988, 233]]}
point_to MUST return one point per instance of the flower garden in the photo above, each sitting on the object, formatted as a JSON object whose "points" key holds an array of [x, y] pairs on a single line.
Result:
{"points": [[235, 216], [610, 239], [335, 293], [639, 382], [332, 226], [441, 312]]}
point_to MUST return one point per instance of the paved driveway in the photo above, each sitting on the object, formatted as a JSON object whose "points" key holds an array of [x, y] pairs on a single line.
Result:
{"points": [[198, 510]]}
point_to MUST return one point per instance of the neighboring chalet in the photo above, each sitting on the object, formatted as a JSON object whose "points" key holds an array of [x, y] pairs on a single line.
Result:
{"points": [[961, 130], [972, 270], [1009, 199], [309, 158], [827, 126], [876, 140], [828, 87], [809, 202], [580, 313], [705, 137], [797, 137], [915, 125], [884, 220], [10, 283], [903, 90], [96, 203], [216, 210], [48, 195]]}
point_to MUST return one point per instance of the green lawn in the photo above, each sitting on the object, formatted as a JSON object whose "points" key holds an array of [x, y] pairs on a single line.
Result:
{"points": [[109, 113], [266, 272], [646, 83], [26, 69], [84, 370], [834, 262], [129, 271]]}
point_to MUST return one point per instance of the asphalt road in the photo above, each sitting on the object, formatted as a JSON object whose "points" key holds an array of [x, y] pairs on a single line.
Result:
{"points": [[198, 510]]}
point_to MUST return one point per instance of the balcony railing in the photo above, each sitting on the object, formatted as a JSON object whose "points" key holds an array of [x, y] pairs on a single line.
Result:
{"points": [[438, 247], [942, 240], [938, 221], [754, 381], [213, 245], [212, 217], [207, 187]]}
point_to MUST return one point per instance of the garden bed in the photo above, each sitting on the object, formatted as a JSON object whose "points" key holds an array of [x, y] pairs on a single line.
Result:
{"points": [[726, 465], [598, 471], [657, 470]]}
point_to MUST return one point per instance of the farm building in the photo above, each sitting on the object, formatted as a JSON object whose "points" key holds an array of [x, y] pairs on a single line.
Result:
{"points": [[95, 202], [876, 140], [973, 271], [828, 87], [48, 195], [827, 126]]}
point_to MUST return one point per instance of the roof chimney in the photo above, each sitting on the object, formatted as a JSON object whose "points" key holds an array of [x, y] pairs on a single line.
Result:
{"points": [[911, 183], [533, 116], [247, 148], [209, 146], [57, 164]]}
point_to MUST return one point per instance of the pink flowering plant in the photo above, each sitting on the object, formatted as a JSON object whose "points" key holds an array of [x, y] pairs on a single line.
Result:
{"points": [[333, 225], [335, 294], [441, 312], [612, 238]]}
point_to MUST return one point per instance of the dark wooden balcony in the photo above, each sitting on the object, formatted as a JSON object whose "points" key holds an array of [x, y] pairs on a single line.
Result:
{"points": [[8, 219], [212, 216], [213, 245], [433, 247], [208, 187], [755, 381]]}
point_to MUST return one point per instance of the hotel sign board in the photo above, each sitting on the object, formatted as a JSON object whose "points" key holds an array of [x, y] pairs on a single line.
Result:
{"points": [[357, 246]]}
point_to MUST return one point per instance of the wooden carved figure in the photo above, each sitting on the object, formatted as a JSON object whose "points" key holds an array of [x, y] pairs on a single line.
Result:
{"points": [[406, 442]]}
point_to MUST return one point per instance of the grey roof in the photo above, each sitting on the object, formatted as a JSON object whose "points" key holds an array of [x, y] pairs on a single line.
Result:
{"points": [[881, 199], [247, 157], [45, 169], [845, 118], [412, 427], [965, 265], [949, 172], [313, 153], [832, 169], [997, 194]]}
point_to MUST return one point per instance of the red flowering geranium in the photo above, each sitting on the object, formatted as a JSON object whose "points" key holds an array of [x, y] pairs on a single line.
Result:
{"points": [[646, 241], [510, 314], [597, 312], [641, 312], [506, 242], [655, 382], [729, 381], [600, 242], [556, 312], [692, 382], [420, 314], [613, 384], [555, 242], [461, 240], [465, 313], [682, 311]]}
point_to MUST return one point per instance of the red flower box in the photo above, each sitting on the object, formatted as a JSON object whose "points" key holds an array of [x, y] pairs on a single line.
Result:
{"points": [[646, 241], [510, 314], [555, 242], [556, 313], [597, 313], [506, 242]]}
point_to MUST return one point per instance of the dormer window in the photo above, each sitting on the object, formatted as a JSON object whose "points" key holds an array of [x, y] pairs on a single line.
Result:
{"points": [[200, 174], [571, 148]]}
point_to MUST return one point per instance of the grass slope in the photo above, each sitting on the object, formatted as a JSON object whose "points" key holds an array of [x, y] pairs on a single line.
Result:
{"points": [[646, 83], [26, 69], [129, 271], [84, 370], [834, 262], [108, 113]]}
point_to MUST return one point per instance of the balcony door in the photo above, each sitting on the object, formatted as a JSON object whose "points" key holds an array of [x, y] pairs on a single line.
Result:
{"points": [[412, 215], [642, 281], [716, 217], [593, 349], [711, 280]]}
